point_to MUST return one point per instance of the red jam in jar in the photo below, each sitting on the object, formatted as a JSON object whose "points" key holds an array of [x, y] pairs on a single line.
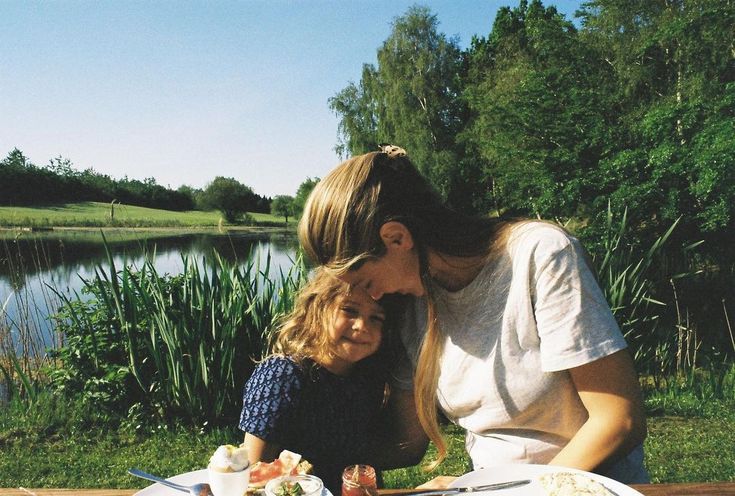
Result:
{"points": [[359, 480]]}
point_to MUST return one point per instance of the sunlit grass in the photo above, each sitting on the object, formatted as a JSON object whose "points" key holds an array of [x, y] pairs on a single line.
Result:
{"points": [[38, 452], [681, 449], [98, 214]]}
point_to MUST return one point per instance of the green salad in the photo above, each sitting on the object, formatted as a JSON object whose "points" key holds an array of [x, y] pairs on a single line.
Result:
{"points": [[287, 488]]}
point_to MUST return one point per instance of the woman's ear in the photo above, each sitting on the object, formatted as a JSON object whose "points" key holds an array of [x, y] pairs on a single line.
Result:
{"points": [[396, 235]]}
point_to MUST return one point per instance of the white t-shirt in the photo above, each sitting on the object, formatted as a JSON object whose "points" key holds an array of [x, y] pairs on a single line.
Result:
{"points": [[532, 313]]}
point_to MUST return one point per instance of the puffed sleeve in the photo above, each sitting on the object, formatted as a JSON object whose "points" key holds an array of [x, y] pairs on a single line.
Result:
{"points": [[270, 399]]}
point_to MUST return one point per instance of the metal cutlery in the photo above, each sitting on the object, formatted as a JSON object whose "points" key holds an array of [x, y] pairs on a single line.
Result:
{"points": [[474, 489], [202, 489]]}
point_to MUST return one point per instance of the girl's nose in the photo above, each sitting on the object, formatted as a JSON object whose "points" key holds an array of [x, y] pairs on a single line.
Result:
{"points": [[359, 324], [376, 295]]}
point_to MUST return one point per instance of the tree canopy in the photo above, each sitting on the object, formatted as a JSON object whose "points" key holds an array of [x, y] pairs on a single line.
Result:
{"points": [[410, 98], [283, 206], [230, 197], [632, 106], [302, 193]]}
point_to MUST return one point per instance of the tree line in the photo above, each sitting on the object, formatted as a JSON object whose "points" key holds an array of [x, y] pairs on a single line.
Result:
{"points": [[23, 183], [633, 107]]}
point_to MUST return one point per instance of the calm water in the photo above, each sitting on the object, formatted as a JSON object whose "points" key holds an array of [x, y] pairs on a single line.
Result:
{"points": [[33, 263]]}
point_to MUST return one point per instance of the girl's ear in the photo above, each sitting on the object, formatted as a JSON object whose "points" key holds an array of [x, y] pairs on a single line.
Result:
{"points": [[396, 236]]}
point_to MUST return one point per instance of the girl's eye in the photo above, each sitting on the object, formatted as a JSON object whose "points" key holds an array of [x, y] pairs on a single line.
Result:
{"points": [[378, 319], [349, 310]]}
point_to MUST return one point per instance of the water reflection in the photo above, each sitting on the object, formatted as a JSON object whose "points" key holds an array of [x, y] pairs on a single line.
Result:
{"points": [[60, 257], [34, 266]]}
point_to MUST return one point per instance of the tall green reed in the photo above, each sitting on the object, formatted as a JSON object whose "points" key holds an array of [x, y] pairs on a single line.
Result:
{"points": [[176, 347], [624, 273], [640, 283], [22, 320]]}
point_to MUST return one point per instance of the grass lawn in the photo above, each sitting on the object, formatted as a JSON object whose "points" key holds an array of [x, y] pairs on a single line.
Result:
{"points": [[678, 449], [96, 214], [689, 450]]}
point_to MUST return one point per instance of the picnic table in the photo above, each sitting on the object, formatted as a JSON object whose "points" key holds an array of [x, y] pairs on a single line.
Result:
{"points": [[681, 489]]}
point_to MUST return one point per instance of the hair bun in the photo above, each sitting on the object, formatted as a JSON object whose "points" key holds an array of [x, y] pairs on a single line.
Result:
{"points": [[392, 151]]}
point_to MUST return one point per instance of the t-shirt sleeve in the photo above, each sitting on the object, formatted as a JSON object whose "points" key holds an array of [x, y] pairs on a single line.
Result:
{"points": [[270, 399], [574, 321]]}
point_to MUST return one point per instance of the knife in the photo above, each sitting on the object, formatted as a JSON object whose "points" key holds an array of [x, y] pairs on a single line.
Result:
{"points": [[474, 489]]}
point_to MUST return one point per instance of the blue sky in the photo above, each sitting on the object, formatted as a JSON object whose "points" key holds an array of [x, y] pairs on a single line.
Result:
{"points": [[185, 91]]}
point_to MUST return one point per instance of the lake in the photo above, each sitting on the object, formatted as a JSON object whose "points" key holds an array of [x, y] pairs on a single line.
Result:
{"points": [[31, 263]]}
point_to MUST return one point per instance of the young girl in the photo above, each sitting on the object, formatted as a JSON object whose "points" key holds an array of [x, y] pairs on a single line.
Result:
{"points": [[505, 326], [318, 393]]}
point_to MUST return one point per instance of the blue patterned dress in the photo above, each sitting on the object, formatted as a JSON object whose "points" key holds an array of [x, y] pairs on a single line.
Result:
{"points": [[307, 409]]}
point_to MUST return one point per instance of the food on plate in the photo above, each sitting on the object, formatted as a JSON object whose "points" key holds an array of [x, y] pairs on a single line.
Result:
{"points": [[294, 485], [229, 458], [229, 470], [287, 463], [286, 488], [572, 484]]}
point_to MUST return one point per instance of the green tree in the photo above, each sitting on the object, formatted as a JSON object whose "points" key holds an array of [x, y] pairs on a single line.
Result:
{"points": [[410, 99], [538, 119], [302, 194], [283, 205], [230, 197], [24, 183], [356, 107], [63, 167], [190, 193], [14, 171], [674, 69]]}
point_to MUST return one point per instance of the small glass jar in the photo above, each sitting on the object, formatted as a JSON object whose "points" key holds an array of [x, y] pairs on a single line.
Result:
{"points": [[359, 480]]}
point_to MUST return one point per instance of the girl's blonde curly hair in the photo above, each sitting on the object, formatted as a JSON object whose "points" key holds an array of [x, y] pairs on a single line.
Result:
{"points": [[303, 332]]}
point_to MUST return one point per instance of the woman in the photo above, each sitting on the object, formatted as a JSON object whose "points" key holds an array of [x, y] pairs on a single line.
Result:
{"points": [[506, 329]]}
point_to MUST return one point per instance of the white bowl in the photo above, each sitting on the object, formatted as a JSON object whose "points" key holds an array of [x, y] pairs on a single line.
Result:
{"points": [[311, 484], [229, 483]]}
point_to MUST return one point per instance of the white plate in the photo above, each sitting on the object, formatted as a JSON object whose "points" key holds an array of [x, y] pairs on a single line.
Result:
{"points": [[503, 473], [185, 479]]}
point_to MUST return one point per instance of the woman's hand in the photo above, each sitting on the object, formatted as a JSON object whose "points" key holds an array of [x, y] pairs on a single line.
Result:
{"points": [[610, 392], [440, 482]]}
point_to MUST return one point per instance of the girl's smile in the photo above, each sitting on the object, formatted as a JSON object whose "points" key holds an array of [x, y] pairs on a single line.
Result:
{"points": [[356, 332]]}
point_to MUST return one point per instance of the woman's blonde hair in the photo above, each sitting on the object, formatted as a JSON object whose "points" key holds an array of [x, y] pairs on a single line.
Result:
{"points": [[340, 229]]}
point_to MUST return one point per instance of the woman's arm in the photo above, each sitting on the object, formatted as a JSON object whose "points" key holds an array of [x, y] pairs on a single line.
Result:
{"points": [[260, 450], [399, 439], [610, 392]]}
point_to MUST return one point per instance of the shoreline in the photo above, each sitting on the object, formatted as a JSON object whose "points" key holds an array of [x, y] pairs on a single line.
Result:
{"points": [[165, 229]]}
